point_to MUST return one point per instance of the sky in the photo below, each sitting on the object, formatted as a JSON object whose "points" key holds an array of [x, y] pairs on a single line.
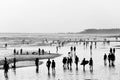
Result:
{"points": [[51, 16]]}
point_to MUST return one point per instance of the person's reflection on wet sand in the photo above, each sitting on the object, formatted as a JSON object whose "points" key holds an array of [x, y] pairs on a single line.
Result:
{"points": [[53, 74], [6, 76], [48, 74], [14, 71], [37, 70]]}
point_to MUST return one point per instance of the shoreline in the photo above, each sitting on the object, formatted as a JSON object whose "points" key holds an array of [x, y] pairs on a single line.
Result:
{"points": [[27, 60]]}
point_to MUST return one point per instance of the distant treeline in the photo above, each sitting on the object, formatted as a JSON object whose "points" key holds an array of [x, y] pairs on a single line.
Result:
{"points": [[101, 31]]}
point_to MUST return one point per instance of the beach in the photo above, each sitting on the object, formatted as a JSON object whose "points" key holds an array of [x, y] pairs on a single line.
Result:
{"points": [[27, 70]]}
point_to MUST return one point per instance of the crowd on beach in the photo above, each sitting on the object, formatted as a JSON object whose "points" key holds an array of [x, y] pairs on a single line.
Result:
{"points": [[67, 61], [72, 56], [20, 52]]}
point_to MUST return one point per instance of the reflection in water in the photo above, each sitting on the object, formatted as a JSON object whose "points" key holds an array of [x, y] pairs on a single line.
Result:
{"points": [[48, 74], [37, 70], [6, 75], [53, 74]]}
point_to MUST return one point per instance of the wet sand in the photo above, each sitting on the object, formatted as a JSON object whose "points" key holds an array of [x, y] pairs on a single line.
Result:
{"points": [[27, 60]]}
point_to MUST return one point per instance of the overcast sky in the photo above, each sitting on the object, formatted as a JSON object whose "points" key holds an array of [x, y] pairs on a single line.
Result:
{"points": [[51, 16]]}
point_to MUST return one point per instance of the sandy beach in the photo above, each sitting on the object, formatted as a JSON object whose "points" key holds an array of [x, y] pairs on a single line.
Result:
{"points": [[27, 60]]}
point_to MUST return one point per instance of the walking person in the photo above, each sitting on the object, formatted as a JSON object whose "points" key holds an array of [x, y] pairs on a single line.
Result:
{"points": [[53, 65], [71, 48], [14, 63], [91, 64], [112, 59], [64, 62], [76, 61], [39, 51], [70, 61], [113, 50], [37, 64], [21, 51], [48, 64], [105, 58], [5, 67], [74, 48], [109, 59], [84, 62]]}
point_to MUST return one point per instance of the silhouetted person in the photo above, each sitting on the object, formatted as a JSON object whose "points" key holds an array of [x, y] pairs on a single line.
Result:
{"points": [[91, 47], [71, 48], [39, 51], [109, 59], [64, 62], [74, 48], [53, 65], [56, 49], [113, 50], [6, 45], [14, 51], [48, 65], [112, 59], [21, 51], [84, 62], [95, 44], [70, 61], [105, 58], [91, 64], [37, 64], [43, 52], [14, 63], [76, 61], [6, 67]]}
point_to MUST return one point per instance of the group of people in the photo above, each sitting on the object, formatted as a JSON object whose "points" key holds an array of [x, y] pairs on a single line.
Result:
{"points": [[110, 57], [67, 62], [6, 65], [40, 52], [51, 64]]}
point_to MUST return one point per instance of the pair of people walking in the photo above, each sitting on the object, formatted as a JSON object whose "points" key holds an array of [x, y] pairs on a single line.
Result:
{"points": [[85, 62], [52, 64]]}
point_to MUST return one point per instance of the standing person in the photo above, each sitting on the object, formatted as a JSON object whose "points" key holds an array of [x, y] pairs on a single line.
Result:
{"points": [[112, 59], [21, 51], [48, 65], [39, 51], [6, 66], [74, 48], [91, 47], [64, 62], [105, 58], [56, 49], [37, 64], [43, 52], [14, 63], [53, 65], [76, 61], [84, 62], [113, 50], [70, 61], [71, 48], [14, 51], [91, 64], [109, 59], [6, 45], [95, 44]]}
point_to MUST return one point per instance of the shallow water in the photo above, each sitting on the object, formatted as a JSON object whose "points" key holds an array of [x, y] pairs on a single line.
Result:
{"points": [[100, 71]]}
